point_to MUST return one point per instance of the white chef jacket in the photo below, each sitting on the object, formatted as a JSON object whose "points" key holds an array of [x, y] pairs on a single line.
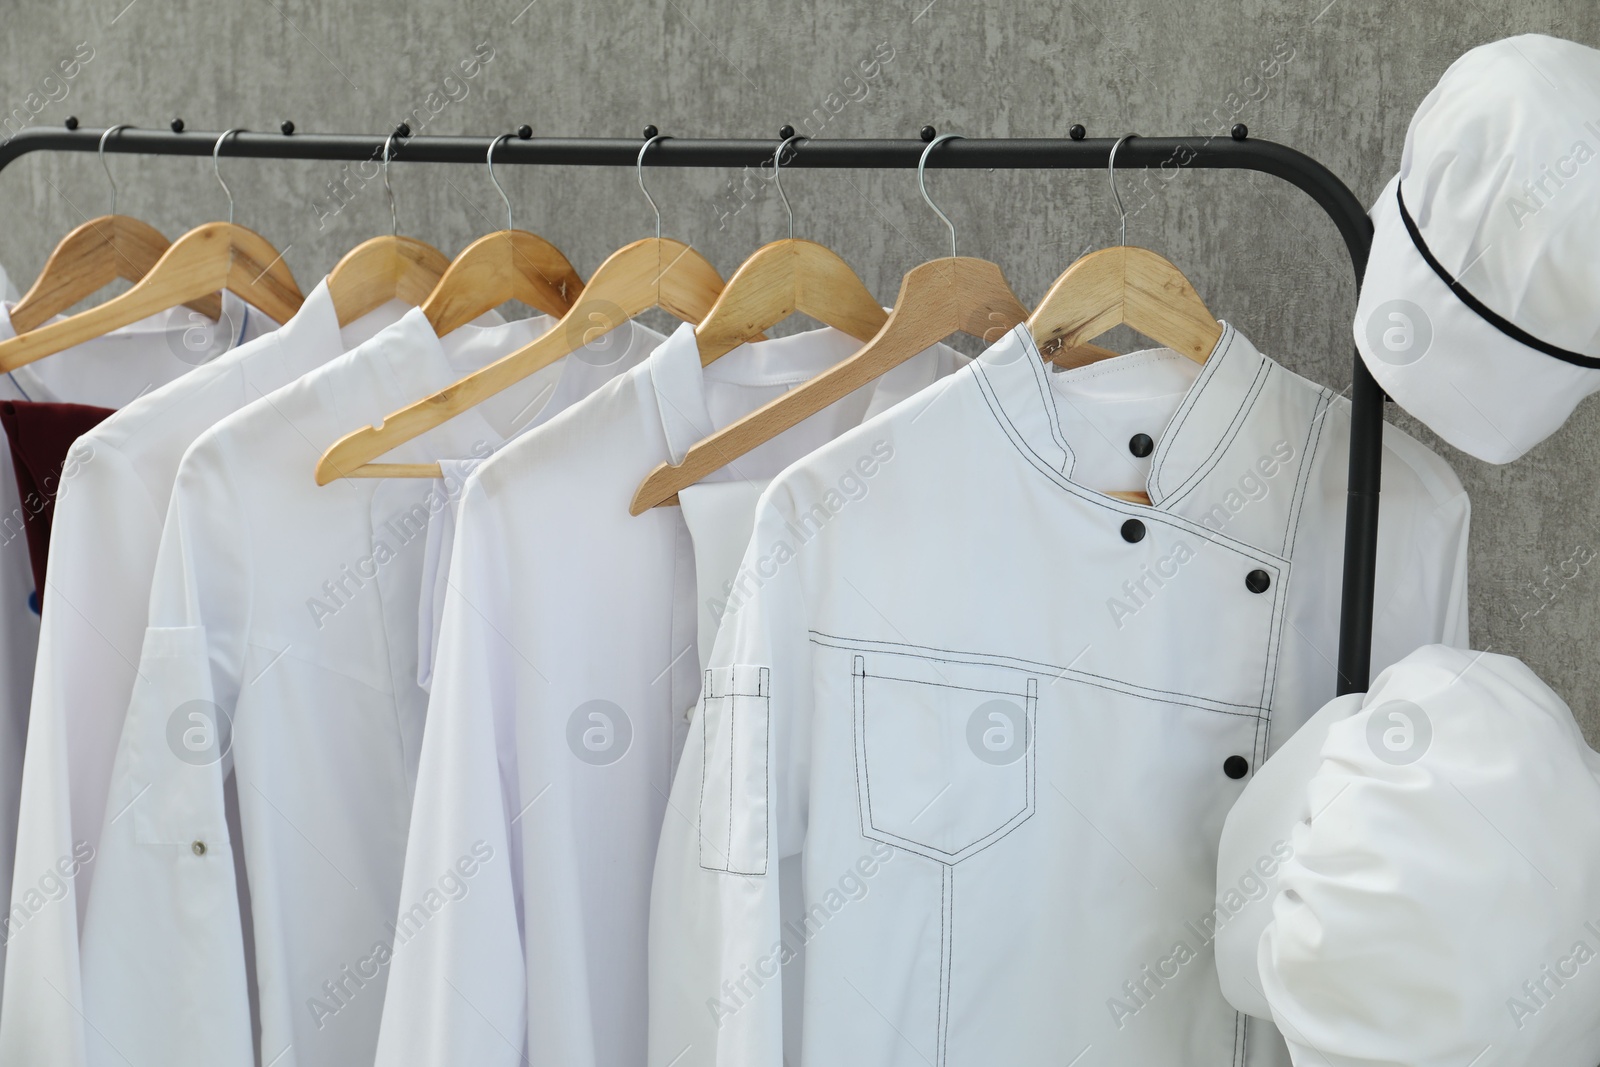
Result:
{"points": [[285, 612], [104, 535], [566, 665], [106, 372], [998, 715]]}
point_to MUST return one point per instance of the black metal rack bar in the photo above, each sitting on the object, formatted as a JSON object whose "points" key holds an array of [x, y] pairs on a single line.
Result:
{"points": [[1238, 152]]}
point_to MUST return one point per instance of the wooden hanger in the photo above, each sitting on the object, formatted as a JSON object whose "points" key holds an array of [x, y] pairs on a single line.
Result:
{"points": [[938, 298], [784, 277], [655, 272], [91, 257], [217, 255], [1122, 286], [87, 260], [385, 268], [512, 264]]}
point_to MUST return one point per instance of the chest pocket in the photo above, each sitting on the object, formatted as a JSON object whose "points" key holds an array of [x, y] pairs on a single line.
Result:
{"points": [[945, 760]]}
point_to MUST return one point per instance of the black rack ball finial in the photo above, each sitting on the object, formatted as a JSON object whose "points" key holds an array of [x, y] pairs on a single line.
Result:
{"points": [[177, 125], [72, 122], [287, 127], [785, 132], [927, 133], [1240, 131], [651, 131], [1077, 132], [524, 132], [403, 130]]}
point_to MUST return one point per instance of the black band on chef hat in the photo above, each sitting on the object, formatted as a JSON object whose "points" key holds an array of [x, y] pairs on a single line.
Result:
{"points": [[1486, 313]]}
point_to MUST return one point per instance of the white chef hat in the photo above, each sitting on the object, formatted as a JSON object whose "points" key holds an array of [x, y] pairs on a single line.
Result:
{"points": [[1480, 309], [1436, 899]]}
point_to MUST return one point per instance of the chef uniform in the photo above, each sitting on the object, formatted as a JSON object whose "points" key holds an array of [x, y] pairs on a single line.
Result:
{"points": [[1001, 717]]}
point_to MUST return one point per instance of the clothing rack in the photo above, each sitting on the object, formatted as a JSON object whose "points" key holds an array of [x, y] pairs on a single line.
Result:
{"points": [[1078, 152]]}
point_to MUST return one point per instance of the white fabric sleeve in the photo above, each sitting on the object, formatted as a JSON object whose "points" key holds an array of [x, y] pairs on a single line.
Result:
{"points": [[1258, 838], [738, 806], [1439, 906], [1422, 590], [164, 964], [457, 983], [89, 640]]}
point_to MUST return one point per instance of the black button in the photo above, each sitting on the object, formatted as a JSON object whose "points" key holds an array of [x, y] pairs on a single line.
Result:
{"points": [[1258, 581], [1133, 531], [1141, 445], [1236, 767]]}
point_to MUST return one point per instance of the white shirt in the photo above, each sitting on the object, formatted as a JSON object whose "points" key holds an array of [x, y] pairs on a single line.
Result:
{"points": [[107, 372], [566, 666], [998, 723], [104, 535], [285, 613]]}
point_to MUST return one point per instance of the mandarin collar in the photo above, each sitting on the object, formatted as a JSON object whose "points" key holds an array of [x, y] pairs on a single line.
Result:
{"points": [[1212, 413]]}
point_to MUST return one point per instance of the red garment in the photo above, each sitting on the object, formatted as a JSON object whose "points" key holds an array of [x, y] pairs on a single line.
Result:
{"points": [[40, 436]]}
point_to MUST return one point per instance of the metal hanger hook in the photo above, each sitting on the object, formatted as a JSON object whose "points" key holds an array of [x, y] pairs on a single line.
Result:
{"points": [[777, 165], [216, 166], [492, 146], [1111, 171], [394, 213], [922, 184], [103, 166], [642, 189]]}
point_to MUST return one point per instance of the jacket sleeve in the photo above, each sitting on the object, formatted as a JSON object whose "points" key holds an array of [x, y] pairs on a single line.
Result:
{"points": [[738, 806], [93, 619], [456, 990], [164, 965], [1422, 595]]}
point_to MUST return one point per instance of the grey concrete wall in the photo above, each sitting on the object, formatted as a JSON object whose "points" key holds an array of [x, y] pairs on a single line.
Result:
{"points": [[1336, 79]]}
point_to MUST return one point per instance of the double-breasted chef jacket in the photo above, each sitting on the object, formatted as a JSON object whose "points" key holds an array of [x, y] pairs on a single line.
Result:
{"points": [[1001, 717]]}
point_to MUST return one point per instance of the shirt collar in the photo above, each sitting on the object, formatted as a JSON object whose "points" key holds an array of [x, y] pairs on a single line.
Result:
{"points": [[1211, 414], [680, 379], [405, 362], [112, 369], [309, 339]]}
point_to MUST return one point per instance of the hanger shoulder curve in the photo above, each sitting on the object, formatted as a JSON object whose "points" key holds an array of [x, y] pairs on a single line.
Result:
{"points": [[1160, 297], [381, 269], [217, 255], [256, 272], [655, 272], [88, 259], [500, 267], [937, 299], [779, 279], [1116, 286], [933, 303]]}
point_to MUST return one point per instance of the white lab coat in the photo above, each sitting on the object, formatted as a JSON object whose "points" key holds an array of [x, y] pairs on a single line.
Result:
{"points": [[566, 666], [1000, 725], [282, 649], [104, 535], [108, 371]]}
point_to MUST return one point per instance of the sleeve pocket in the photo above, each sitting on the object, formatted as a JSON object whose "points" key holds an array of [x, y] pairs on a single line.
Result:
{"points": [[735, 714]]}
